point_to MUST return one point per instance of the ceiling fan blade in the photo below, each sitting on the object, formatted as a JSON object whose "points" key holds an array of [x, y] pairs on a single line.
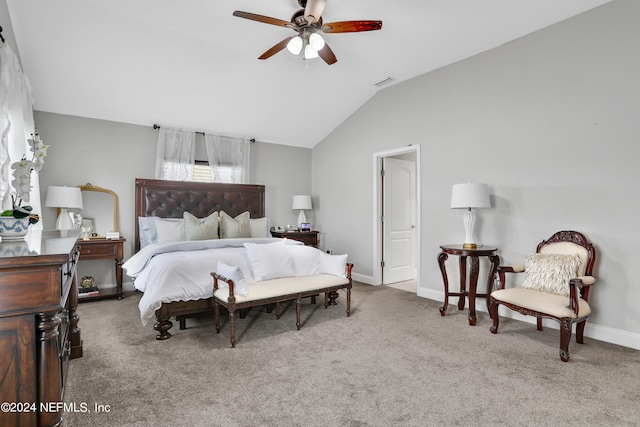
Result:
{"points": [[264, 19], [313, 10], [327, 55], [275, 49], [351, 26]]}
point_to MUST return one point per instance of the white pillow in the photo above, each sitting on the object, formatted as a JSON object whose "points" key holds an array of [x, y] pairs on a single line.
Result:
{"points": [[234, 227], [269, 260], [169, 230], [200, 228], [259, 227], [147, 231], [305, 259], [333, 264], [233, 273]]}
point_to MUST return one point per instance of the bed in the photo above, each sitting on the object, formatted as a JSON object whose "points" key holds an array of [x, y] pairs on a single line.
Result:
{"points": [[170, 199]]}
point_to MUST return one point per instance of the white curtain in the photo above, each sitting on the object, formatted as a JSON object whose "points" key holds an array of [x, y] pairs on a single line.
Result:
{"points": [[16, 126], [175, 154], [229, 158]]}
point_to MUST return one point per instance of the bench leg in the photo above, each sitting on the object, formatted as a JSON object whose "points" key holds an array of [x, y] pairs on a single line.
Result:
{"points": [[232, 327], [277, 310], [216, 311], [298, 313], [348, 302]]}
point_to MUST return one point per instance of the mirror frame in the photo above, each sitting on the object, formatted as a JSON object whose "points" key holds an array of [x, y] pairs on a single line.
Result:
{"points": [[91, 187]]}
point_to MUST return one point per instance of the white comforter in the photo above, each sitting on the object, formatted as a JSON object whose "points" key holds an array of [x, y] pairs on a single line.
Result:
{"points": [[181, 271]]}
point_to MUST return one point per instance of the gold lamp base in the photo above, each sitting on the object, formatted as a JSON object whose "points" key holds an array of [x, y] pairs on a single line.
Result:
{"points": [[469, 246]]}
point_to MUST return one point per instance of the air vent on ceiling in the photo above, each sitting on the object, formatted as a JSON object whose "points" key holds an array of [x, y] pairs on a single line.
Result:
{"points": [[384, 81]]}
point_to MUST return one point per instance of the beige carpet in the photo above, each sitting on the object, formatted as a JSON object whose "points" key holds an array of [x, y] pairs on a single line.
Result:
{"points": [[394, 362]]}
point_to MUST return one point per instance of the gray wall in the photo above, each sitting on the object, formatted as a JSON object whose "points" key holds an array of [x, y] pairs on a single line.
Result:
{"points": [[549, 121], [111, 155]]}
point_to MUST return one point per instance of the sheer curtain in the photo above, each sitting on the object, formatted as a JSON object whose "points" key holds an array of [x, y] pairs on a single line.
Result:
{"points": [[16, 126], [229, 158], [175, 154]]}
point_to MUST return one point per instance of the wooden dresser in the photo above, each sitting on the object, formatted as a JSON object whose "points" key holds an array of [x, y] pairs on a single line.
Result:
{"points": [[38, 325]]}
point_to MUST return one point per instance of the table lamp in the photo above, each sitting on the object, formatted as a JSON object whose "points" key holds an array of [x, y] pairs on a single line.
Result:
{"points": [[301, 202], [469, 196], [64, 198]]}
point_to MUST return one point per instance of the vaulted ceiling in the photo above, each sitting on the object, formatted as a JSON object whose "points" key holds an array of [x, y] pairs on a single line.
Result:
{"points": [[191, 64]]}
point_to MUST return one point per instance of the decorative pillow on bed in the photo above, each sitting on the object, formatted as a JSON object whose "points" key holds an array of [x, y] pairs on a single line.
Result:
{"points": [[333, 264], [550, 272], [233, 273], [200, 228], [269, 260], [259, 227], [234, 227], [169, 230], [305, 259], [147, 231]]}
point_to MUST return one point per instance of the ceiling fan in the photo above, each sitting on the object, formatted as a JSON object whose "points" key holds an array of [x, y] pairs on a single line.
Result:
{"points": [[308, 24]]}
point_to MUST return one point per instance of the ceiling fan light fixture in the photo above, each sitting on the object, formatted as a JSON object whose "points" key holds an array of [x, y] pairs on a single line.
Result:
{"points": [[295, 45], [316, 41], [309, 52]]}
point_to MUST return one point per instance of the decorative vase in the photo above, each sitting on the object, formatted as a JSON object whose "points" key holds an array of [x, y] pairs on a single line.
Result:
{"points": [[13, 228]]}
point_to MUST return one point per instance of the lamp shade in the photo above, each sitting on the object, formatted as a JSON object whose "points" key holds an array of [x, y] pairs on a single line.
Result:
{"points": [[64, 197], [301, 202], [470, 195]]}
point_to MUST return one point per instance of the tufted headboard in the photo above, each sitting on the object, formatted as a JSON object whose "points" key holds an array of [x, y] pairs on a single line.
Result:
{"points": [[170, 199]]}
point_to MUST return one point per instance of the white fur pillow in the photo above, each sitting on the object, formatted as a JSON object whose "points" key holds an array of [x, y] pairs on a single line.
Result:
{"points": [[550, 272], [269, 260], [200, 228], [333, 264], [234, 274]]}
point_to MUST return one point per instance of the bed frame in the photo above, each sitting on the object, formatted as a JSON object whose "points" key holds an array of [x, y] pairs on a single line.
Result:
{"points": [[170, 199]]}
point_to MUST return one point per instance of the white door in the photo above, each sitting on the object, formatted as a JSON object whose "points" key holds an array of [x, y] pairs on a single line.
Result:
{"points": [[399, 220]]}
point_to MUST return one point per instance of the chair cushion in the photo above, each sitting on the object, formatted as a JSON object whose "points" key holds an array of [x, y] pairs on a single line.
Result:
{"points": [[551, 273], [554, 305]]}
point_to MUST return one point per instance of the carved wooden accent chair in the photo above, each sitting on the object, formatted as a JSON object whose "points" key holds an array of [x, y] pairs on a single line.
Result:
{"points": [[557, 279]]}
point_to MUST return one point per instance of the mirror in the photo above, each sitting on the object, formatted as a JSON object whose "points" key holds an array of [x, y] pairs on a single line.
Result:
{"points": [[96, 210]]}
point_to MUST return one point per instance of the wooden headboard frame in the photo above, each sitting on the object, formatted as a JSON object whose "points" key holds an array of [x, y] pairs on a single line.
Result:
{"points": [[170, 199]]}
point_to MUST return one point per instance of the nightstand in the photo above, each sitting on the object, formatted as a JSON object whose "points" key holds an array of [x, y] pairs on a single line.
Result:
{"points": [[309, 238], [104, 249]]}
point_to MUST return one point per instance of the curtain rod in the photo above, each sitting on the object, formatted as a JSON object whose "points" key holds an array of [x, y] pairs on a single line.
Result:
{"points": [[155, 126]]}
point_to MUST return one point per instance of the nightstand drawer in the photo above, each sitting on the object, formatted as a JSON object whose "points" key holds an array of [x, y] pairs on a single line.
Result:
{"points": [[97, 250]]}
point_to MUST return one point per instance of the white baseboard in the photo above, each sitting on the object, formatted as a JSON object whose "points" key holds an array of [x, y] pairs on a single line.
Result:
{"points": [[362, 279], [597, 332]]}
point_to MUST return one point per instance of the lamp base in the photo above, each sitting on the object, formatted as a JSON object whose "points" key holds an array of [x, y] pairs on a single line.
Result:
{"points": [[301, 218], [64, 221], [469, 246]]}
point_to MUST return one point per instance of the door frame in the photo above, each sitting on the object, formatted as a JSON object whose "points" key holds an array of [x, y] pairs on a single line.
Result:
{"points": [[377, 209]]}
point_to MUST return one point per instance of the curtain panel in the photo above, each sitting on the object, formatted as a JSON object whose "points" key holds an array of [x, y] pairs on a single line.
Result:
{"points": [[175, 154], [16, 126], [229, 158]]}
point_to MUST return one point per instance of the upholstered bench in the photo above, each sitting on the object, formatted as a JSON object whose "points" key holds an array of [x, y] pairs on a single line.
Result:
{"points": [[275, 291]]}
